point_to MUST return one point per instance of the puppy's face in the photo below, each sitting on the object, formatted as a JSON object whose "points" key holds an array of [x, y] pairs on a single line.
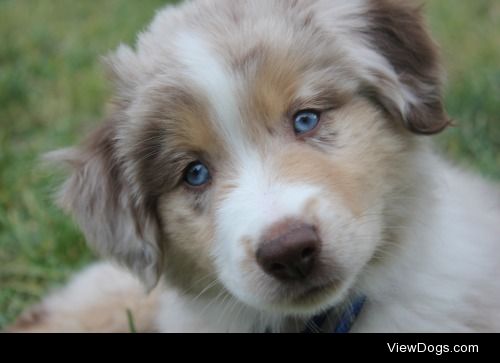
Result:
{"points": [[258, 147]]}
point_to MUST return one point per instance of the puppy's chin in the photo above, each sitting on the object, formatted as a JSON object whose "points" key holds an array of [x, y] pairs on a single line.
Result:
{"points": [[305, 301], [316, 300]]}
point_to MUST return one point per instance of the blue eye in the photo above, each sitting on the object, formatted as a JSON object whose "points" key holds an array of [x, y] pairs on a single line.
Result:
{"points": [[196, 174], [305, 121]]}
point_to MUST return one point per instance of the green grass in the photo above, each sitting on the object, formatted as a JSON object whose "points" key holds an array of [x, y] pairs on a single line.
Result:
{"points": [[469, 33], [52, 91]]}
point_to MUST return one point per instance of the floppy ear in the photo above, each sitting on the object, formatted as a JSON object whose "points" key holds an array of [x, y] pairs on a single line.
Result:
{"points": [[409, 85], [114, 220]]}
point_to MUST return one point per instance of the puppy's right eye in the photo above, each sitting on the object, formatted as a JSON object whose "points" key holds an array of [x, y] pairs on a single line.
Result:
{"points": [[196, 174], [305, 121]]}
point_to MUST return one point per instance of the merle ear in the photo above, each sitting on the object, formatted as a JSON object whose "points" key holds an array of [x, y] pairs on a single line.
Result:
{"points": [[114, 220], [410, 85]]}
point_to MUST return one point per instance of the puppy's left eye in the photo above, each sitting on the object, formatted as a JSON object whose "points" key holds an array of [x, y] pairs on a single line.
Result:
{"points": [[196, 174], [305, 121]]}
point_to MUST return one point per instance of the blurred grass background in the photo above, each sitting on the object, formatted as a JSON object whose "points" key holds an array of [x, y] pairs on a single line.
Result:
{"points": [[52, 91]]}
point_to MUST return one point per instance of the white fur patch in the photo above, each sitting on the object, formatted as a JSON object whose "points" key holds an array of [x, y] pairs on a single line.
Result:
{"points": [[260, 201]]}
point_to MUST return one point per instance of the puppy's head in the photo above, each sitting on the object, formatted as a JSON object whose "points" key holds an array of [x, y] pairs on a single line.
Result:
{"points": [[258, 146]]}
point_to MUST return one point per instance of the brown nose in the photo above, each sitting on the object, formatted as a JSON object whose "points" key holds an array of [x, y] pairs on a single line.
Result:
{"points": [[290, 253]]}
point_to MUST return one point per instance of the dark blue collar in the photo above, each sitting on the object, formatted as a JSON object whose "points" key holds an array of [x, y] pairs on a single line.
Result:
{"points": [[344, 323]]}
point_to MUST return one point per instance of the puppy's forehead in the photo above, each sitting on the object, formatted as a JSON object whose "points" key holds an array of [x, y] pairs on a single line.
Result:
{"points": [[249, 71], [250, 89]]}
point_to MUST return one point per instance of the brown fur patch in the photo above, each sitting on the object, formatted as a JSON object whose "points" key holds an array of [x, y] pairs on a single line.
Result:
{"points": [[175, 131], [311, 167], [397, 29], [29, 320], [272, 89], [188, 242]]}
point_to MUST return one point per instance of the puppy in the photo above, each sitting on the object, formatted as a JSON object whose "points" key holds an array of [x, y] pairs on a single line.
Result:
{"points": [[264, 168]]}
